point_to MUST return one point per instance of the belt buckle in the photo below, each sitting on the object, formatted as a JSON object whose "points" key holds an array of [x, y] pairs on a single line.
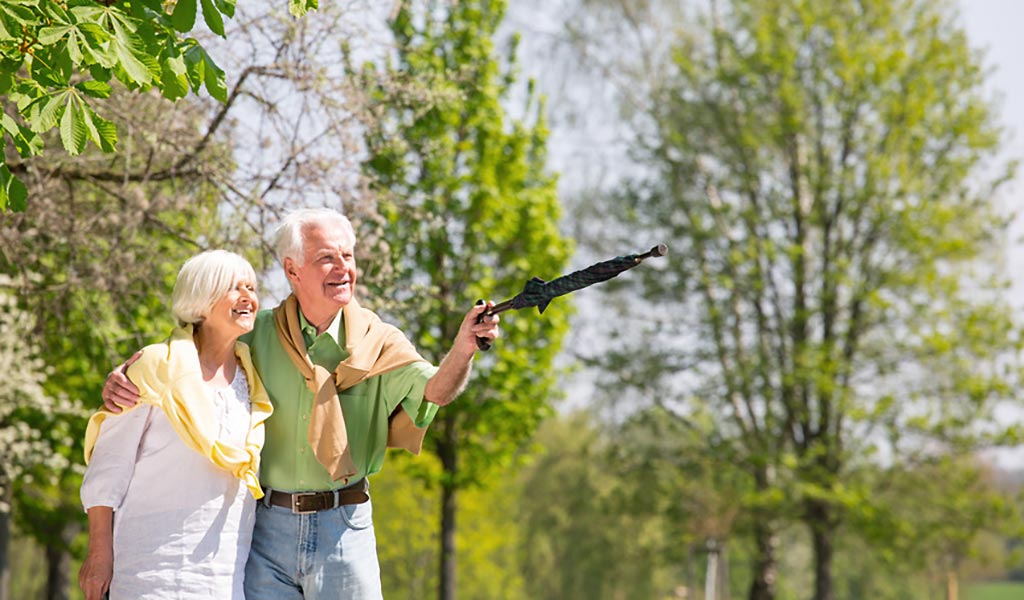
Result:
{"points": [[295, 497]]}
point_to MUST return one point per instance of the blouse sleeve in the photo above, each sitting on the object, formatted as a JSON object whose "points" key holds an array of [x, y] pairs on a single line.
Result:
{"points": [[113, 459]]}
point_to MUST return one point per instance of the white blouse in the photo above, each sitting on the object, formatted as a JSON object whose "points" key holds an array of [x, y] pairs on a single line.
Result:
{"points": [[182, 526]]}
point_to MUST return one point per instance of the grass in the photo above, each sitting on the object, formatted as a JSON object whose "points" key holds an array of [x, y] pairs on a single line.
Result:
{"points": [[994, 591]]}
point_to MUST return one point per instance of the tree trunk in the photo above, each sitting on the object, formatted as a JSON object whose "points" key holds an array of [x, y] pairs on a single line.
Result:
{"points": [[723, 571], [711, 574], [58, 567], [765, 567], [822, 539], [5, 540], [822, 521], [447, 451], [765, 543], [58, 563], [952, 585], [448, 507]]}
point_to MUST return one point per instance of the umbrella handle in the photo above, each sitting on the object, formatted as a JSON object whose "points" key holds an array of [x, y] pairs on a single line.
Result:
{"points": [[484, 343]]}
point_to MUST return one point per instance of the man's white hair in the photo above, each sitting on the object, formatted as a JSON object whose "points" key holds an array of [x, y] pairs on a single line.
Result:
{"points": [[202, 282], [289, 235]]}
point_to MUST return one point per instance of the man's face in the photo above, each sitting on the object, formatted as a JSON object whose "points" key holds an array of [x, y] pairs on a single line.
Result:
{"points": [[327, 277]]}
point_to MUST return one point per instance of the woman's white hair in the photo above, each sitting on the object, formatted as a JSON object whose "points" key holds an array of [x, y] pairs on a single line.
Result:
{"points": [[202, 282], [289, 241]]}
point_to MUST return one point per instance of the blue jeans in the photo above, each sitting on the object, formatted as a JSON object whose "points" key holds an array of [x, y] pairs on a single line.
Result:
{"points": [[331, 554]]}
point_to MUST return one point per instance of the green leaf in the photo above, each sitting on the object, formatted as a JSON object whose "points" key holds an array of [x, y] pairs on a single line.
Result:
{"points": [[43, 113], [301, 7], [173, 80], [226, 6], [212, 17], [65, 67], [202, 70], [94, 34], [74, 51], [184, 16], [26, 142], [9, 124], [21, 14], [88, 13], [50, 35], [133, 67], [99, 73], [72, 128], [13, 193], [105, 132], [95, 89], [214, 80]]}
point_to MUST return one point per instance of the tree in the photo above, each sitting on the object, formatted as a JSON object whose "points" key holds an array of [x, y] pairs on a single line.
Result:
{"points": [[817, 171], [105, 233], [58, 56], [22, 448], [86, 276], [488, 536], [466, 210]]}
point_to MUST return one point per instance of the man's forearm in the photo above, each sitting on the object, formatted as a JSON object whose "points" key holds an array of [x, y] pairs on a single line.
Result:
{"points": [[450, 379]]}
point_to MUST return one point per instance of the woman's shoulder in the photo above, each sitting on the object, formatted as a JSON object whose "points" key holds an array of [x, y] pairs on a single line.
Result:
{"points": [[163, 361]]}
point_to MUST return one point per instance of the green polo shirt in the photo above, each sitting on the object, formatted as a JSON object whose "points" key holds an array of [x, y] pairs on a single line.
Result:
{"points": [[287, 461]]}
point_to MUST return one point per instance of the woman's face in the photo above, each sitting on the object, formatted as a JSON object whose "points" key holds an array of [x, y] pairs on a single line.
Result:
{"points": [[235, 312]]}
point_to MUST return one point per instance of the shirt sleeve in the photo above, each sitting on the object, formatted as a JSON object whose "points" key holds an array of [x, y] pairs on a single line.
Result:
{"points": [[113, 459], [404, 386]]}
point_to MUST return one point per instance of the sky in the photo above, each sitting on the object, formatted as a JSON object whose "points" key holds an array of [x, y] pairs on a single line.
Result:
{"points": [[993, 26]]}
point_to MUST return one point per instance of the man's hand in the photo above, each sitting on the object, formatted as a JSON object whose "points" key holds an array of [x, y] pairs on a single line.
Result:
{"points": [[453, 372], [465, 341], [119, 391]]}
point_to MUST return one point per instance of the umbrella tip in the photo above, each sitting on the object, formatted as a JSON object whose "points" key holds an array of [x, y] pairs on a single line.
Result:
{"points": [[659, 250]]}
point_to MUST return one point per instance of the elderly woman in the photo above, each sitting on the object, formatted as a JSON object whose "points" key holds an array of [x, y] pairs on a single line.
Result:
{"points": [[171, 484]]}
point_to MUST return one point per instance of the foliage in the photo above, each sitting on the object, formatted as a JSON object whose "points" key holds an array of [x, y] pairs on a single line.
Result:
{"points": [[407, 539], [58, 57], [23, 448], [466, 211], [835, 273], [95, 281]]}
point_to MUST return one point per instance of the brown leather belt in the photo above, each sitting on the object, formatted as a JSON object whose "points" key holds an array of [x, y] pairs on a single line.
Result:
{"points": [[303, 503]]}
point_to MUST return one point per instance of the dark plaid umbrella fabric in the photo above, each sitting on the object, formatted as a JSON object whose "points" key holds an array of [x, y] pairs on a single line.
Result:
{"points": [[539, 293]]}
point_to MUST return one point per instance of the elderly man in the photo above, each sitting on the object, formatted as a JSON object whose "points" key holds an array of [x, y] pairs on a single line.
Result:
{"points": [[344, 386]]}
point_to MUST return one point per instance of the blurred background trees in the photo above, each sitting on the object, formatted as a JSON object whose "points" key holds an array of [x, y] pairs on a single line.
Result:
{"points": [[793, 405]]}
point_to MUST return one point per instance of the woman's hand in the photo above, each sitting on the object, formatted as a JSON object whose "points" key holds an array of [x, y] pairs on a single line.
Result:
{"points": [[98, 568], [96, 572]]}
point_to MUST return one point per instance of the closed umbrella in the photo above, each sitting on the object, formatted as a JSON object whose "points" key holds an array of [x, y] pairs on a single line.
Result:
{"points": [[539, 293]]}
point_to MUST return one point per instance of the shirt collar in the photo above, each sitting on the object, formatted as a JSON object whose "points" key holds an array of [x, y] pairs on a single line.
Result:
{"points": [[334, 329]]}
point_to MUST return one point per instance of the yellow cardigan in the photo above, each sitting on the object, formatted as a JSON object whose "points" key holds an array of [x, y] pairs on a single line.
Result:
{"points": [[168, 376]]}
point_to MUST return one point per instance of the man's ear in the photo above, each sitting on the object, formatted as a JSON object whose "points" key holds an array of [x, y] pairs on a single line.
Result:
{"points": [[290, 270]]}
